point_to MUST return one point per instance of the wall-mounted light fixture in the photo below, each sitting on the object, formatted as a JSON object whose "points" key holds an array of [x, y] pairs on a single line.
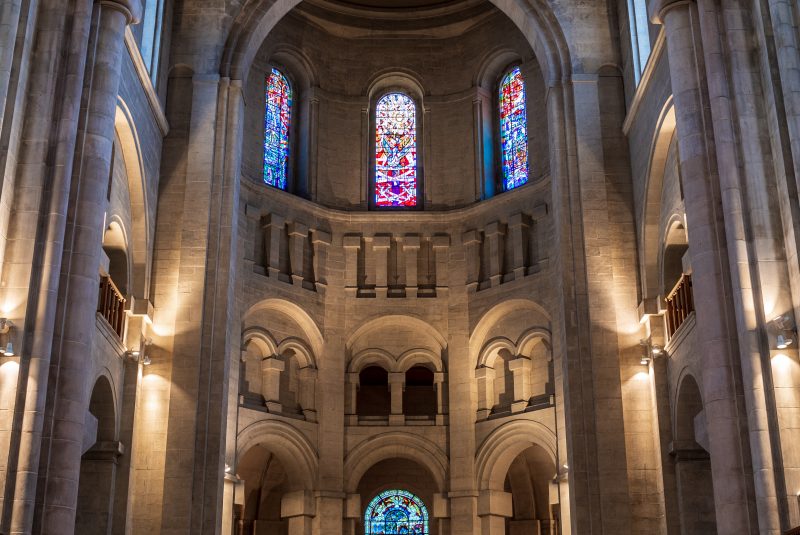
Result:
{"points": [[140, 355], [5, 325], [5, 328], [786, 331]]}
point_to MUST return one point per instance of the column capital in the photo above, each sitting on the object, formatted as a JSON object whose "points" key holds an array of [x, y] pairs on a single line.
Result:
{"points": [[658, 8], [132, 9]]}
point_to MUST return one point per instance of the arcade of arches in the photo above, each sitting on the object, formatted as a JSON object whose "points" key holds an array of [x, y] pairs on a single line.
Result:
{"points": [[433, 267]]}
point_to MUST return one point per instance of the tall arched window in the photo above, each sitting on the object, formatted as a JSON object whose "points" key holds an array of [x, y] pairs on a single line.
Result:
{"points": [[513, 130], [395, 151], [640, 36], [151, 36], [396, 511], [277, 121]]}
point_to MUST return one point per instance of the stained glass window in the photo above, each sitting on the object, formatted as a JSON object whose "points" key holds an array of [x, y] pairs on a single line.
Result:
{"points": [[513, 130], [395, 151], [394, 512], [277, 121]]}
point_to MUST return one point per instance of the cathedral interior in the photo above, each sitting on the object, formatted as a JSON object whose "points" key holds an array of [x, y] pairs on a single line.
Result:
{"points": [[372, 267]]}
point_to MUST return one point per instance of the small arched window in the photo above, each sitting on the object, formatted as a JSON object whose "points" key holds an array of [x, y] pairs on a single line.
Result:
{"points": [[396, 511], [277, 122], [396, 151], [513, 129]]}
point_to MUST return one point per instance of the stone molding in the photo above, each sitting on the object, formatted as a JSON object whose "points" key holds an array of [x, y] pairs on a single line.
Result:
{"points": [[132, 9]]}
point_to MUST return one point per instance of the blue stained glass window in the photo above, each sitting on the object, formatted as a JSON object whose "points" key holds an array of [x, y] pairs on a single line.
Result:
{"points": [[277, 120], [513, 130], [395, 151], [395, 512]]}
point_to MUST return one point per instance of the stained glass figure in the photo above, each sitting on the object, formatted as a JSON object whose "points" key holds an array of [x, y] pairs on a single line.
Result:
{"points": [[393, 512], [513, 129], [277, 120], [395, 151]]}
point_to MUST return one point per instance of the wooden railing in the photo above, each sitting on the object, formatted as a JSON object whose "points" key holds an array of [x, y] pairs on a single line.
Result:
{"points": [[794, 531], [111, 305], [680, 303]]}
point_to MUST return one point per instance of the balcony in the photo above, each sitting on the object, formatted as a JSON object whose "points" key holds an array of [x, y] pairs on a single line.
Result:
{"points": [[111, 305], [680, 304]]}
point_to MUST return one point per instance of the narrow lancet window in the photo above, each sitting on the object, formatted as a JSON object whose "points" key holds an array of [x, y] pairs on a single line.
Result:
{"points": [[396, 511], [395, 151], [513, 130], [277, 121]]}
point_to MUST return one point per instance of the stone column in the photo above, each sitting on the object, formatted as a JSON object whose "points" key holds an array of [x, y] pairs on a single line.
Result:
{"points": [[494, 235], [299, 508], [298, 234], [380, 248], [273, 233], [271, 369], [352, 513], [485, 378], [471, 240], [441, 512], [733, 484], [397, 382], [438, 380], [80, 274], [307, 397], [521, 369], [517, 227], [441, 245], [494, 506], [321, 241], [351, 397], [351, 245], [411, 245]]}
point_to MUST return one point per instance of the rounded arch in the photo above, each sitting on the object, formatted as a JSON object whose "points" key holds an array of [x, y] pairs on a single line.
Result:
{"points": [[536, 20], [688, 404], [502, 446], [394, 80], [491, 350], [372, 357], [393, 445], [420, 357], [493, 65], [295, 64], [115, 245], [497, 313], [674, 245], [296, 313], [103, 406], [263, 340], [302, 352], [392, 321], [649, 228], [531, 338], [140, 243], [292, 448]]}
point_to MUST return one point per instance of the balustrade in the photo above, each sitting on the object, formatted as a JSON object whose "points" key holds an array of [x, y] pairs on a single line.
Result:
{"points": [[680, 303], [111, 305]]}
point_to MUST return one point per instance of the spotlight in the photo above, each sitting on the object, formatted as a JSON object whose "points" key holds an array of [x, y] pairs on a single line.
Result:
{"points": [[656, 350], [133, 355], [5, 325], [9, 350], [146, 360], [645, 361], [783, 342]]}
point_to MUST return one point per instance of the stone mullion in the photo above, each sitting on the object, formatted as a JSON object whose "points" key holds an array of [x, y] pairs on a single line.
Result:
{"points": [[733, 488], [23, 449]]}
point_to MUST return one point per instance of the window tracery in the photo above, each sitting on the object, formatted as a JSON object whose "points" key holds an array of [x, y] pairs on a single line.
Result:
{"points": [[513, 130], [395, 512], [395, 151], [277, 122]]}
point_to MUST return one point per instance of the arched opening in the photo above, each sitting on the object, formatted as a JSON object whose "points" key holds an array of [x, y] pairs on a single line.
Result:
{"points": [[419, 395], [98, 463], [693, 462], [265, 483], [503, 382], [114, 246], [384, 479], [529, 481], [675, 247], [374, 399]]}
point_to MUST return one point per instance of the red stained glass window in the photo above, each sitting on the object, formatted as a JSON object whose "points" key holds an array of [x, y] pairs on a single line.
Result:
{"points": [[395, 151]]}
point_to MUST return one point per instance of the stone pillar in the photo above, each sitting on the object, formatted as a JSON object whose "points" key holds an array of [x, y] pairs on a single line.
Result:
{"points": [[729, 453], [521, 369], [80, 275], [352, 245], [321, 241], [96, 495], [271, 369], [441, 245], [307, 397], [438, 380], [494, 507], [351, 397], [494, 236], [411, 245], [485, 378], [299, 508], [517, 231], [273, 233], [352, 513], [471, 240], [397, 382], [298, 234], [380, 248], [441, 512]]}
